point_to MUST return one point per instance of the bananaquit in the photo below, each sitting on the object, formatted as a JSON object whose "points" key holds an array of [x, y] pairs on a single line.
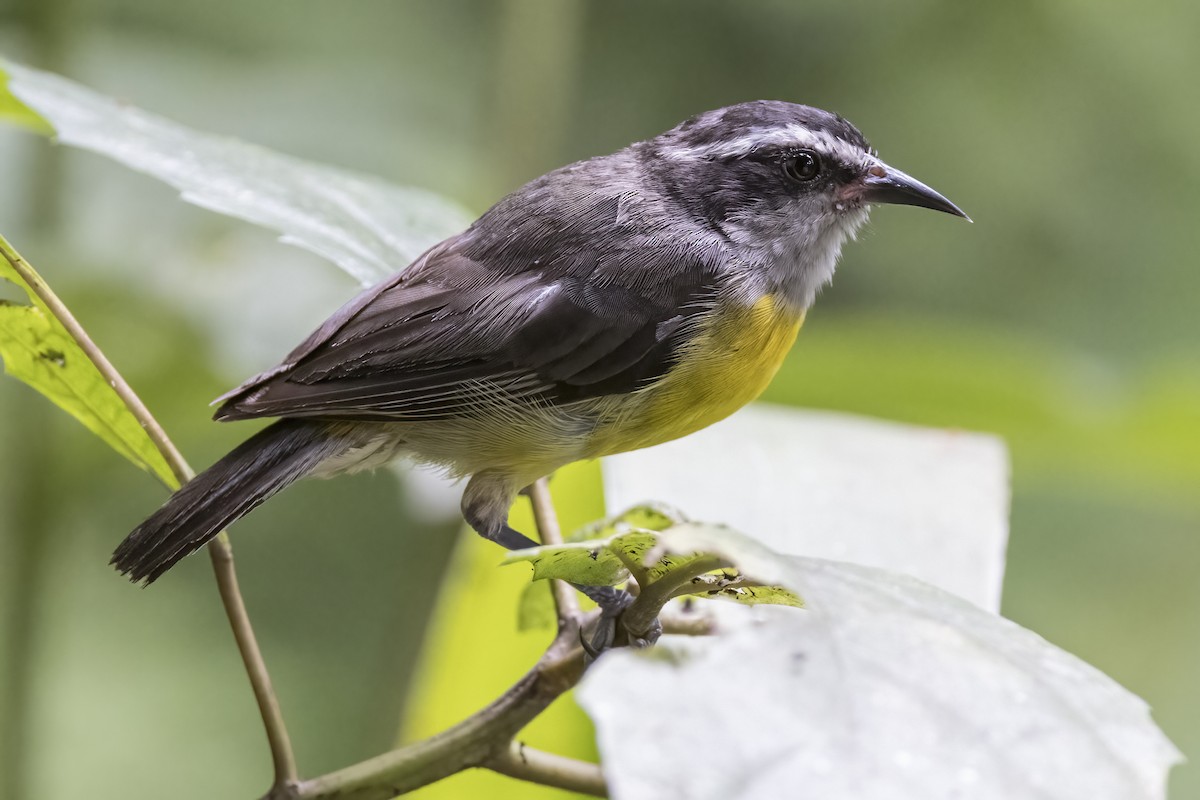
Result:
{"points": [[609, 305]]}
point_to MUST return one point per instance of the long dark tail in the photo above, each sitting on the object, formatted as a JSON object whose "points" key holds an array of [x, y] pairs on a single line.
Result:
{"points": [[224, 493]]}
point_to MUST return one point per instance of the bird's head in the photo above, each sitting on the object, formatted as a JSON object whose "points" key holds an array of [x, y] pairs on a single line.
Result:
{"points": [[787, 182]]}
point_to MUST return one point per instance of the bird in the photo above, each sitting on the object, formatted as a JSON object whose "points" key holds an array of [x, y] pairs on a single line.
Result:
{"points": [[609, 305]]}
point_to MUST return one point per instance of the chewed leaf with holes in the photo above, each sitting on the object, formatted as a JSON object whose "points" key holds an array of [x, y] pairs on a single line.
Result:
{"points": [[38, 350], [646, 517], [594, 562], [731, 566], [587, 554], [730, 585]]}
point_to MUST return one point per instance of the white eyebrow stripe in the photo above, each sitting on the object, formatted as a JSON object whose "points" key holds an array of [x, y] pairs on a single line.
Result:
{"points": [[789, 136]]}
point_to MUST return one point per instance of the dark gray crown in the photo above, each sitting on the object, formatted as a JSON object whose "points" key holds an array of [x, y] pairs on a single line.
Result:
{"points": [[723, 124]]}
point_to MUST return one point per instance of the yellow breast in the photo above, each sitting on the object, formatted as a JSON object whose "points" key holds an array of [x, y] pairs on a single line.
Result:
{"points": [[729, 363]]}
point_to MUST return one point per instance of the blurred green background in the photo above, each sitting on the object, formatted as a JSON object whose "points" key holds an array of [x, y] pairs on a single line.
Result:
{"points": [[1064, 320]]}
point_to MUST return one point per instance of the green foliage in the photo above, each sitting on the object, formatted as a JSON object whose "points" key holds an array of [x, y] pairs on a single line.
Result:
{"points": [[535, 609], [647, 517], [36, 348], [1060, 413], [470, 654], [1075, 155], [652, 554]]}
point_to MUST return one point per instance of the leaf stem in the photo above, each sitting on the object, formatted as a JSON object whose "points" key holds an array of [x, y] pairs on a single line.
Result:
{"points": [[548, 769], [566, 603], [637, 569], [219, 548], [654, 595]]}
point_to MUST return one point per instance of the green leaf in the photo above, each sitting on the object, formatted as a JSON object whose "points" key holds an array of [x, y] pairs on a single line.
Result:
{"points": [[744, 570], [367, 227], [535, 609], [732, 586], [593, 562], [38, 349], [471, 654], [684, 543], [587, 558], [646, 516]]}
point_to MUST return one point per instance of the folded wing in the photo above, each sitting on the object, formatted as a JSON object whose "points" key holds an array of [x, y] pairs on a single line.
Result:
{"points": [[454, 335]]}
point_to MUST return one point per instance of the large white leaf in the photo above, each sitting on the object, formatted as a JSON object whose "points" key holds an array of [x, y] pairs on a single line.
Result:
{"points": [[884, 688], [925, 502], [368, 227]]}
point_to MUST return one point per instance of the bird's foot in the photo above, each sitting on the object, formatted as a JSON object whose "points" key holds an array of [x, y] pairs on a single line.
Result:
{"points": [[611, 629]]}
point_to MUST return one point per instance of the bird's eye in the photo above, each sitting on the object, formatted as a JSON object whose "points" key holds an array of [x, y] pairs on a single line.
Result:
{"points": [[802, 166]]}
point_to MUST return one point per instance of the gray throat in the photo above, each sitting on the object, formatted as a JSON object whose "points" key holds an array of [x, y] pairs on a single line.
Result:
{"points": [[793, 261]]}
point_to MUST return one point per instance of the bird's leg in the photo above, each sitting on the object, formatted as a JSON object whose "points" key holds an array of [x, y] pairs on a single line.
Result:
{"points": [[611, 600], [506, 537], [485, 508]]}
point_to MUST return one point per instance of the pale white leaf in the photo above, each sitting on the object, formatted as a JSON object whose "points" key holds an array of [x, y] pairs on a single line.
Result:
{"points": [[369, 228], [883, 688], [926, 502]]}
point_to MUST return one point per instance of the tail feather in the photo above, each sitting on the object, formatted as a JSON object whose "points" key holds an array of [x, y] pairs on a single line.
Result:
{"points": [[224, 493]]}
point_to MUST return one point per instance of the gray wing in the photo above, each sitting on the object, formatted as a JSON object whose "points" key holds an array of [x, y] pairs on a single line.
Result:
{"points": [[472, 319]]}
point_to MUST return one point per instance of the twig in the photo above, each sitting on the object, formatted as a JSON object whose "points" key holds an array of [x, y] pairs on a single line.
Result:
{"points": [[646, 606], [477, 741], [282, 759], [565, 601], [219, 548], [486, 739], [687, 624], [158, 437], [548, 769]]}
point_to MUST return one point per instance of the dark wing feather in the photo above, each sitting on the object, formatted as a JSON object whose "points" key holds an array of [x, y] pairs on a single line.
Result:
{"points": [[542, 316]]}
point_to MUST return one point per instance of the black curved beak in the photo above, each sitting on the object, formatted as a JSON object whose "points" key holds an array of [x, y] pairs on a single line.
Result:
{"points": [[884, 184]]}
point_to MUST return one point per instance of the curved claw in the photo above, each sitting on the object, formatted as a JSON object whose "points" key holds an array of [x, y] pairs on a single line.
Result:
{"points": [[589, 651]]}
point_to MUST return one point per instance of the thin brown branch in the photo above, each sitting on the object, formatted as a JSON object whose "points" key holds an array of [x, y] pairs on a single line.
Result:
{"points": [[687, 624], [219, 548], [158, 436], [282, 759], [548, 769], [566, 603], [484, 740], [475, 742]]}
